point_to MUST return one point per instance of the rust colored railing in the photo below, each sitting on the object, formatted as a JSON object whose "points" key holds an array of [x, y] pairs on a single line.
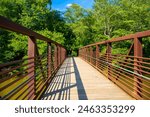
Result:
{"points": [[29, 77], [131, 72]]}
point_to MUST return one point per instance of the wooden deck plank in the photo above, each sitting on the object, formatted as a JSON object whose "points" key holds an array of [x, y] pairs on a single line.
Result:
{"points": [[77, 80]]}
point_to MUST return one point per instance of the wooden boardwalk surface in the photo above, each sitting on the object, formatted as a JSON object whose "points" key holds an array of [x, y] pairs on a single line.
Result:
{"points": [[77, 80]]}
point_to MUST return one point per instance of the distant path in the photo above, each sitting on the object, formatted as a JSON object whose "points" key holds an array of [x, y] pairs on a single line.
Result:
{"points": [[77, 80]]}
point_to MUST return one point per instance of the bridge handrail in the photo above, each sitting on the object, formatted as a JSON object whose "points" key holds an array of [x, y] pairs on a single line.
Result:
{"points": [[12, 26], [123, 38], [131, 72], [28, 78]]}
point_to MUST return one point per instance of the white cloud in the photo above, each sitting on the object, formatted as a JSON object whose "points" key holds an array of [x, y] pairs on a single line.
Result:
{"points": [[68, 5]]}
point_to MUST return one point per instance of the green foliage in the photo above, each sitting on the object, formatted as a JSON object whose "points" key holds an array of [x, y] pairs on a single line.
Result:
{"points": [[18, 43], [35, 15], [76, 27], [108, 19], [11, 9]]}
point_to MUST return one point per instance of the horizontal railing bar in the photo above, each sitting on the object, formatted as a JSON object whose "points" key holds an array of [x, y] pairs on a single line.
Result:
{"points": [[134, 69], [6, 78], [128, 63], [141, 93], [116, 72], [40, 78], [13, 92], [123, 86], [29, 96], [14, 62], [16, 67], [121, 62], [131, 74], [3, 73], [132, 60], [7, 24], [24, 91], [31, 78], [128, 56], [130, 77], [39, 84], [119, 79], [101, 66], [123, 38], [17, 79], [17, 61], [124, 69]]}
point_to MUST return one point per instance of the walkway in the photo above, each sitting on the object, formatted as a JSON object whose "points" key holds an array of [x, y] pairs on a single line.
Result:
{"points": [[77, 80]]}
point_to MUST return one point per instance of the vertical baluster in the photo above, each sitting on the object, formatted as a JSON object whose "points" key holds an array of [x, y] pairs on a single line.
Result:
{"points": [[58, 56], [63, 54], [97, 55], [138, 52], [90, 54], [86, 53], [83, 53], [32, 53], [109, 59], [49, 61], [55, 61]]}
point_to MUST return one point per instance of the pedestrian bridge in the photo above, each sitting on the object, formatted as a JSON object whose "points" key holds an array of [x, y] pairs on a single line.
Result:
{"points": [[77, 80], [93, 75]]}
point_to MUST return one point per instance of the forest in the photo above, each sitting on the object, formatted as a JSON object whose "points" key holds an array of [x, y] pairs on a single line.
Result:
{"points": [[74, 27]]}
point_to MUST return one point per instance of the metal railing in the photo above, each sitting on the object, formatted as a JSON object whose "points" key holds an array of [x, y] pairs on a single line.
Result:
{"points": [[131, 72], [28, 78]]}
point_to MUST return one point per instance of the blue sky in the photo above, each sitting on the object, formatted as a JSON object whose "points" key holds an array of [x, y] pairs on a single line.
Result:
{"points": [[62, 4]]}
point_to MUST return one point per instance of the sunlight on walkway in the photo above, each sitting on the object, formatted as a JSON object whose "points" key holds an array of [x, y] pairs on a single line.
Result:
{"points": [[77, 80]]}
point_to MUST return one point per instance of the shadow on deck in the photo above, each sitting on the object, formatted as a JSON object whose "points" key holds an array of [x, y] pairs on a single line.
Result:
{"points": [[60, 87], [77, 80]]}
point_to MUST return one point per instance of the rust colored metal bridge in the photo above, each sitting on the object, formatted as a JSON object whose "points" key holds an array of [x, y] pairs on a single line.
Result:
{"points": [[95, 74]]}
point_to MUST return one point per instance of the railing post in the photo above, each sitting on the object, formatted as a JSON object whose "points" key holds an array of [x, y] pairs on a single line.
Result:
{"points": [[138, 52], [90, 54], [85, 54], [60, 55], [49, 62], [55, 53], [79, 53], [97, 55], [31, 53], [82, 51], [57, 56], [63, 54], [109, 60]]}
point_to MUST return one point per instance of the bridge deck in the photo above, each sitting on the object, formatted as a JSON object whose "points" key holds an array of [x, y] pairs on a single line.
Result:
{"points": [[77, 80]]}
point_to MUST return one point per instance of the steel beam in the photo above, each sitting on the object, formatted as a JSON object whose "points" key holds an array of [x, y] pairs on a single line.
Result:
{"points": [[31, 53]]}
